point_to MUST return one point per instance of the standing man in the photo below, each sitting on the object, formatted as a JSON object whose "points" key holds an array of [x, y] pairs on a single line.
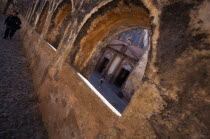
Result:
{"points": [[13, 23]]}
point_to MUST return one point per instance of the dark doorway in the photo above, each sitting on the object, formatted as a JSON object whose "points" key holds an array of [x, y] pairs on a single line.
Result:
{"points": [[103, 65], [121, 78]]}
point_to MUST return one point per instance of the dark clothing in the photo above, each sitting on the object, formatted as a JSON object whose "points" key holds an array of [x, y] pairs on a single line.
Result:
{"points": [[13, 23], [9, 32]]}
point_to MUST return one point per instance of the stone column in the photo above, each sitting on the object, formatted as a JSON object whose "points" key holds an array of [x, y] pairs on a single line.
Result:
{"points": [[107, 76], [116, 71]]}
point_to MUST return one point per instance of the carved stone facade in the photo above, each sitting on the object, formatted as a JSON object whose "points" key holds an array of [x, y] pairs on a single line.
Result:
{"points": [[120, 58], [63, 46]]}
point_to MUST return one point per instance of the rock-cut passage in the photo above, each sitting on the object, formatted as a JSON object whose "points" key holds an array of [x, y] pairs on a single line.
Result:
{"points": [[19, 113]]}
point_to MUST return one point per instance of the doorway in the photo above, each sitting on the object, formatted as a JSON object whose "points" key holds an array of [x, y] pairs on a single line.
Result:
{"points": [[103, 65], [121, 78]]}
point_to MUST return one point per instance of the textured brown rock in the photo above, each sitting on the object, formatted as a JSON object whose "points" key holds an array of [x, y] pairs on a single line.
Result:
{"points": [[173, 97]]}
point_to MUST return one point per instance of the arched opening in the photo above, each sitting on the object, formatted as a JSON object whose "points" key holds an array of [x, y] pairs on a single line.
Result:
{"points": [[34, 15], [102, 27], [42, 18], [117, 67], [110, 47], [59, 22]]}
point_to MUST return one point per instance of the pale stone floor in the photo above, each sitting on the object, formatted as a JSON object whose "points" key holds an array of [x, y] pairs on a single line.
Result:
{"points": [[109, 91], [19, 113]]}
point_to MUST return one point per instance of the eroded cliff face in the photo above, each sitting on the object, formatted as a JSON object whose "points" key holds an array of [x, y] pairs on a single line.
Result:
{"points": [[173, 97]]}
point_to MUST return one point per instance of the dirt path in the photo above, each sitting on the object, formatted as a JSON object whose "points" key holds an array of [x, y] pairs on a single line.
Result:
{"points": [[19, 113]]}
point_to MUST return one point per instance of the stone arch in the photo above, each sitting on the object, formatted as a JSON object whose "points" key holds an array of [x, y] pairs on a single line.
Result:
{"points": [[35, 13], [59, 22], [93, 36], [43, 17]]}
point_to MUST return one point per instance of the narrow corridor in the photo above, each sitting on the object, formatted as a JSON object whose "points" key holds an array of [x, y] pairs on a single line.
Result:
{"points": [[19, 113]]}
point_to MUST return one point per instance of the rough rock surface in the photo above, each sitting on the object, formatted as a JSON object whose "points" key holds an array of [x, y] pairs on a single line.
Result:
{"points": [[19, 111], [2, 5], [172, 99]]}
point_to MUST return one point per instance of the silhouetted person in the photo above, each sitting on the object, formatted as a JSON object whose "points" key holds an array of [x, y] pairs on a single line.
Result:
{"points": [[13, 23], [101, 82]]}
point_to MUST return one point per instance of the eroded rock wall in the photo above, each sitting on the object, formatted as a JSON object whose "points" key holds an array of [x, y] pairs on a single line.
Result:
{"points": [[3, 4], [173, 97], [183, 71]]}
